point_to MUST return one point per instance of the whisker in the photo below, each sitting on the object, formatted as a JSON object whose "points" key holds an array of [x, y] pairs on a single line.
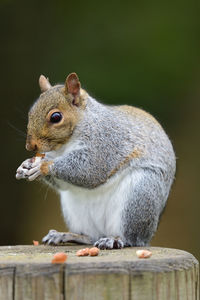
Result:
{"points": [[45, 196], [16, 129]]}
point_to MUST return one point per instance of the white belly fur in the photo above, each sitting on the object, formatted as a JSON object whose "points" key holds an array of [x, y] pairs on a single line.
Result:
{"points": [[97, 212]]}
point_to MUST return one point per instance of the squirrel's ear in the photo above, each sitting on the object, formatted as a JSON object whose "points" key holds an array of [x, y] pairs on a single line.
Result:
{"points": [[72, 86], [44, 83]]}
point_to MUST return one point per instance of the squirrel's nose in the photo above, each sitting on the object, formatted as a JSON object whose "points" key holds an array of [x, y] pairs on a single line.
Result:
{"points": [[31, 145]]}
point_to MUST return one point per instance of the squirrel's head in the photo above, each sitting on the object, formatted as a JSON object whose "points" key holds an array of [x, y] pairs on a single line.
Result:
{"points": [[55, 114]]}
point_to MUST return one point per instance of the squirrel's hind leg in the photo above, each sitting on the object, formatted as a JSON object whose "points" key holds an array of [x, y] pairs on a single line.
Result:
{"points": [[56, 238], [141, 212]]}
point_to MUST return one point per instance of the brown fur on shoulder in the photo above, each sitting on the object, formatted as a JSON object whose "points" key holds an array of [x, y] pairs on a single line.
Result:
{"points": [[136, 112], [135, 154]]}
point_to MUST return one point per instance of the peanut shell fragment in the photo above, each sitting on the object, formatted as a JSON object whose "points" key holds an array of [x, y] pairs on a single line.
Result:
{"points": [[94, 251], [35, 243], [83, 252], [143, 253], [59, 258]]}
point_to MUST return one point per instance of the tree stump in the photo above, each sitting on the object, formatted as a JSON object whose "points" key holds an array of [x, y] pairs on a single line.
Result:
{"points": [[26, 272]]}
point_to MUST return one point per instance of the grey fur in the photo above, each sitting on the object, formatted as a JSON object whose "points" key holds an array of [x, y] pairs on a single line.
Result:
{"points": [[141, 213], [109, 141], [107, 136]]}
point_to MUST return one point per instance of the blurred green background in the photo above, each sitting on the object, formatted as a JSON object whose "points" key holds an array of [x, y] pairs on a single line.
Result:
{"points": [[144, 54]]}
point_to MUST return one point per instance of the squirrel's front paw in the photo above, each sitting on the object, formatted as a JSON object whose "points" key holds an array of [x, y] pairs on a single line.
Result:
{"points": [[32, 168]]}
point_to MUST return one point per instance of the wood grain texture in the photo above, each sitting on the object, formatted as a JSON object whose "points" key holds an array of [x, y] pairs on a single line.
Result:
{"points": [[7, 282], [26, 272]]}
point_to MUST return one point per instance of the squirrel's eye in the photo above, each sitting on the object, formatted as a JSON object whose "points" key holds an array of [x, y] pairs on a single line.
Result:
{"points": [[56, 117]]}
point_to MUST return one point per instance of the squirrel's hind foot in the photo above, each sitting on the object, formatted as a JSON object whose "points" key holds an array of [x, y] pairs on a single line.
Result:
{"points": [[56, 238], [109, 243]]}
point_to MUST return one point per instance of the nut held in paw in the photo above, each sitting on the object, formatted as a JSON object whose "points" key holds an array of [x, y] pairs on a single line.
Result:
{"points": [[38, 157], [42, 155]]}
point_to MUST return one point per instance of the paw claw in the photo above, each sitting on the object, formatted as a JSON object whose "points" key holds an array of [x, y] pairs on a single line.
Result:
{"points": [[109, 243], [53, 238], [51, 243]]}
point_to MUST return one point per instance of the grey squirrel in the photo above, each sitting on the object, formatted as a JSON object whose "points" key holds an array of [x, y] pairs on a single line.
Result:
{"points": [[113, 166]]}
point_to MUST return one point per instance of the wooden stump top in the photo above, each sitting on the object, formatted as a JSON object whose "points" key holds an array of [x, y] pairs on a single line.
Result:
{"points": [[163, 258], [26, 272]]}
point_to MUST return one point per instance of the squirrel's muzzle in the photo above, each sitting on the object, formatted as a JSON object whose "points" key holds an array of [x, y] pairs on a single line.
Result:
{"points": [[31, 144]]}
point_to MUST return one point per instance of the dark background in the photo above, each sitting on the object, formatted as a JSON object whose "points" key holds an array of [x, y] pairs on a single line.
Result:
{"points": [[144, 54]]}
